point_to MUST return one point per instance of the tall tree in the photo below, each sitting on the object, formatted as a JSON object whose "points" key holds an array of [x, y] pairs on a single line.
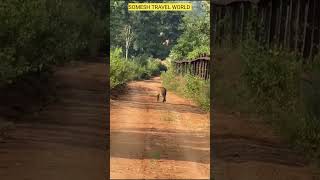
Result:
{"points": [[128, 38]]}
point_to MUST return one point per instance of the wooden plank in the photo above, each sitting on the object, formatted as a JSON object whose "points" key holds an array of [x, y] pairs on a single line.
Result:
{"points": [[265, 24], [312, 33], [206, 70], [297, 27], [260, 19], [192, 66], [196, 68], [222, 26], [200, 68], [280, 22], [286, 26], [318, 20], [269, 24], [290, 26], [242, 21], [233, 22], [203, 69], [306, 13]]}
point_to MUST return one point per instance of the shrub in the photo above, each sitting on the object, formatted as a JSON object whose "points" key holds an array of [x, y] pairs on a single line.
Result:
{"points": [[155, 67], [286, 92], [198, 51], [36, 34], [122, 71], [272, 77]]}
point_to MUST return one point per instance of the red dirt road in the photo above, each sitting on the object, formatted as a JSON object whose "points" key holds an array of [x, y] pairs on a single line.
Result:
{"points": [[247, 149], [65, 141], [151, 140]]}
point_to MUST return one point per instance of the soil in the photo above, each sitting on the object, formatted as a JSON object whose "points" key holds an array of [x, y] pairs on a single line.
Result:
{"points": [[155, 140], [65, 139], [248, 149]]}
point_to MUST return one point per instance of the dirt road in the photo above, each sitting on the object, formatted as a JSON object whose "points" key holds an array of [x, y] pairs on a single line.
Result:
{"points": [[66, 140], [157, 140], [171, 141], [247, 149]]}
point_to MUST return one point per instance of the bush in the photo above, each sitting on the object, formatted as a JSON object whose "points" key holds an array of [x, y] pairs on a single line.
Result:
{"points": [[36, 34], [272, 77], [155, 67], [198, 52], [122, 71], [286, 92]]}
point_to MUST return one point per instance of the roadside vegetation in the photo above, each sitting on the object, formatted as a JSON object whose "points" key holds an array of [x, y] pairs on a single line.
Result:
{"points": [[122, 70], [194, 41], [188, 86], [140, 40], [35, 37], [37, 34], [273, 84]]}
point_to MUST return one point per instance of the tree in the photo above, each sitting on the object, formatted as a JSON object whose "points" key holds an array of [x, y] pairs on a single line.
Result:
{"points": [[128, 38], [146, 27], [195, 38]]}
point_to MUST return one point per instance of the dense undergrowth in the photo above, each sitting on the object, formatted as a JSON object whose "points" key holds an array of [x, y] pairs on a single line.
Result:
{"points": [[188, 86], [36, 34], [122, 70], [273, 84]]}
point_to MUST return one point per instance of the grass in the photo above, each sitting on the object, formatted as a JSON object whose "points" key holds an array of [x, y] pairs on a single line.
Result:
{"points": [[155, 155], [229, 91]]}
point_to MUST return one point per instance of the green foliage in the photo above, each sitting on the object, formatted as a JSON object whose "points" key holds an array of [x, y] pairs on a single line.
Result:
{"points": [[150, 29], [189, 86], [275, 85], [156, 67], [195, 38], [230, 90], [36, 34], [198, 51], [271, 83], [311, 87], [272, 77], [122, 71]]}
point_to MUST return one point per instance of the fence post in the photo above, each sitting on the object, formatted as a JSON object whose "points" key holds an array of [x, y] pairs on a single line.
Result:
{"points": [[297, 27]]}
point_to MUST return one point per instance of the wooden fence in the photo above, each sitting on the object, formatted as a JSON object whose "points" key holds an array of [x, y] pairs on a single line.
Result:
{"points": [[198, 67], [290, 24]]}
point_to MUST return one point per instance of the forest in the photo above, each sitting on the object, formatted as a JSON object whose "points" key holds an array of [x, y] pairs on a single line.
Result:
{"points": [[145, 44]]}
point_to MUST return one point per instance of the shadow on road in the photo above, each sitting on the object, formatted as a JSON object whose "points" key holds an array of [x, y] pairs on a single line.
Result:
{"points": [[162, 142]]}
